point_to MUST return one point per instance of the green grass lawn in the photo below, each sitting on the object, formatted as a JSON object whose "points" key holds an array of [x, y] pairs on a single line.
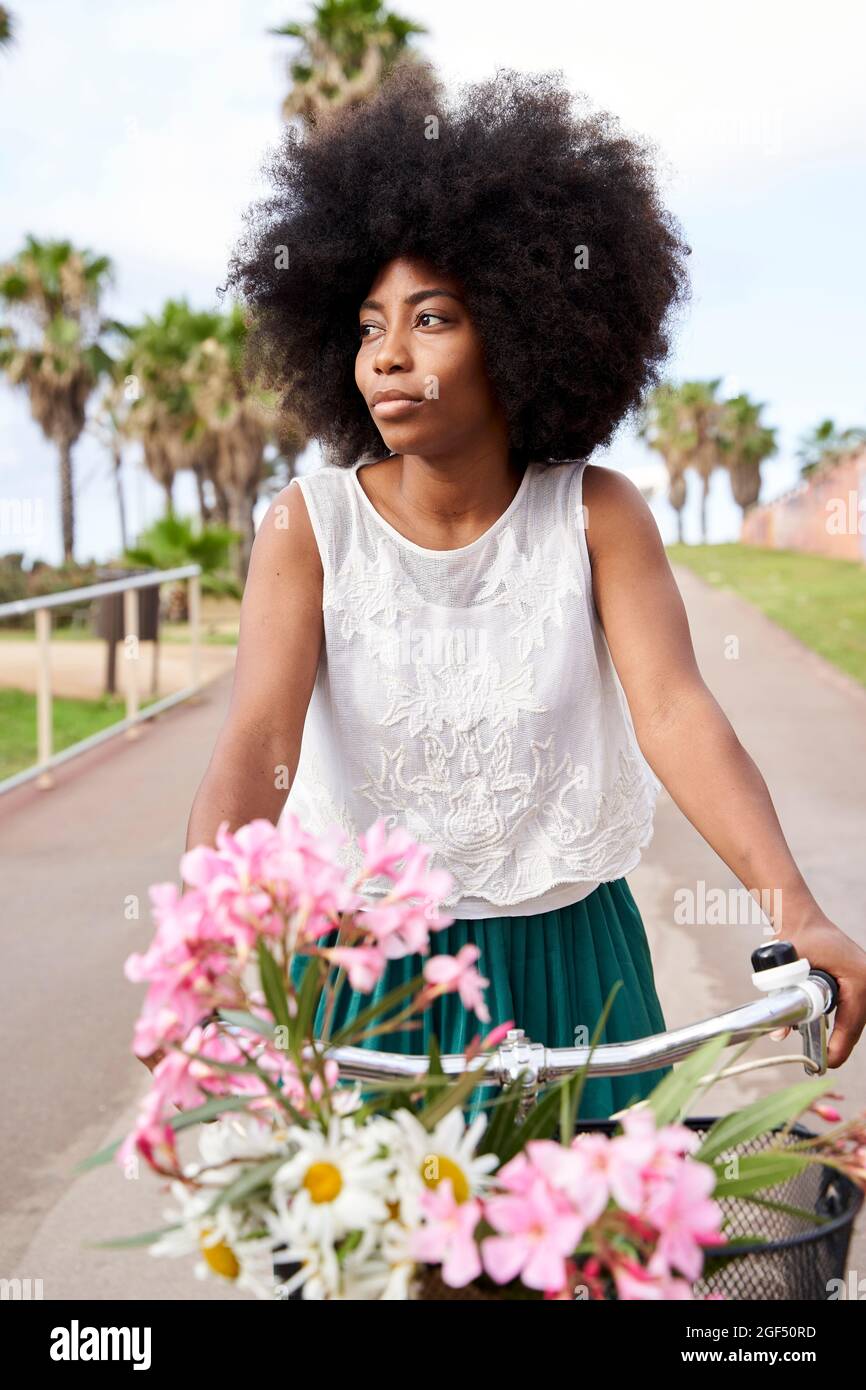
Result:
{"points": [[176, 633], [819, 600], [73, 720]]}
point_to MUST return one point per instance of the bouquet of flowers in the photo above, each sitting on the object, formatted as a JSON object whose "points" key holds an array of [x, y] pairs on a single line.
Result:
{"points": [[390, 1194]]}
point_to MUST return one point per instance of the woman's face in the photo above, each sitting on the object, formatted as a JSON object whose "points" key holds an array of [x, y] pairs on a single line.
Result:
{"points": [[419, 345]]}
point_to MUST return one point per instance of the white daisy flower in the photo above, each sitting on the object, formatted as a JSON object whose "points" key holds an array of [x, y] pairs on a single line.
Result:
{"points": [[402, 1265], [360, 1275], [426, 1157], [337, 1182], [234, 1137], [222, 1239]]}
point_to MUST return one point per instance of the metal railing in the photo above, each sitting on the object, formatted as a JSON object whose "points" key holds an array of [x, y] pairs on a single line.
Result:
{"points": [[46, 757]]}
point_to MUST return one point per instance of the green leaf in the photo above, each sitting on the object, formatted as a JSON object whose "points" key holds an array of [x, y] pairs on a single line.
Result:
{"points": [[673, 1092], [813, 1217], [272, 984], [253, 1177], [571, 1103], [438, 1081], [759, 1117], [504, 1119], [125, 1242], [759, 1171], [308, 995], [460, 1090], [354, 1026], [540, 1123], [249, 1021]]}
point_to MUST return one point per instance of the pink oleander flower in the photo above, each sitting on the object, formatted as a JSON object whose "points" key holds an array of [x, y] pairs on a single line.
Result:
{"points": [[186, 1079], [644, 1155], [490, 1040], [635, 1281], [449, 973], [383, 849], [686, 1218], [447, 1236], [575, 1172], [364, 965], [825, 1112], [398, 928], [151, 1138], [538, 1231]]}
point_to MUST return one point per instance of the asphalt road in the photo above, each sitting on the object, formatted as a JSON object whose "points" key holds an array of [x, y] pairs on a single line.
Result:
{"points": [[74, 858]]}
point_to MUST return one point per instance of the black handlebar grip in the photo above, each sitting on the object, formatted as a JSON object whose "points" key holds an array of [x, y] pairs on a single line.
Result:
{"points": [[833, 984]]}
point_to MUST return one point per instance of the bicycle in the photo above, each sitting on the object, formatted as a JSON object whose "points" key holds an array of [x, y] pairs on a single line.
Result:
{"points": [[792, 1259]]}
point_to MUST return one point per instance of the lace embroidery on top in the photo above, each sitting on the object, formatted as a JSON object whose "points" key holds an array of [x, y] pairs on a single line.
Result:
{"points": [[470, 696]]}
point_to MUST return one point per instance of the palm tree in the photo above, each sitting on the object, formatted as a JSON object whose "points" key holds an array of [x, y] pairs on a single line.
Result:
{"points": [[107, 425], [161, 411], [194, 407], [347, 48], [239, 419], [745, 444], [701, 415], [662, 429], [824, 445], [51, 346], [7, 28]]}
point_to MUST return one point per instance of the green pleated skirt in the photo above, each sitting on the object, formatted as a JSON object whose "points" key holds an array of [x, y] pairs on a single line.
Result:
{"points": [[551, 973]]}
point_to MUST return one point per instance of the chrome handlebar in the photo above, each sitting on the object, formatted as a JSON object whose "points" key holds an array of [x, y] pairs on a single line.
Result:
{"points": [[794, 995]]}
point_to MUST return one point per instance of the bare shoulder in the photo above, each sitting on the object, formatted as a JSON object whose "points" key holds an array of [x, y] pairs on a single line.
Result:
{"points": [[616, 515], [285, 540]]}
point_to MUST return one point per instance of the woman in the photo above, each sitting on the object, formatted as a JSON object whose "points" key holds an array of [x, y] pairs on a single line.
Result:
{"points": [[459, 624]]}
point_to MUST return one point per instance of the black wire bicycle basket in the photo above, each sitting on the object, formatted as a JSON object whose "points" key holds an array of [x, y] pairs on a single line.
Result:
{"points": [[794, 1259]]}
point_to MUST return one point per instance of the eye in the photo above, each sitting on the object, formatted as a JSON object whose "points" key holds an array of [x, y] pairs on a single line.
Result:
{"points": [[428, 314]]}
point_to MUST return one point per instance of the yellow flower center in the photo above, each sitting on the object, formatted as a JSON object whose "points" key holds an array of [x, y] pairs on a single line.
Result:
{"points": [[323, 1181], [438, 1166], [220, 1257]]}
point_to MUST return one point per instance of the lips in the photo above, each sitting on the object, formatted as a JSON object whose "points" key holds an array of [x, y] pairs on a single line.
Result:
{"points": [[390, 404]]}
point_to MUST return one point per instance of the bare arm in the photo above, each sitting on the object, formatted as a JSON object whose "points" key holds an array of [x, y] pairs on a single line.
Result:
{"points": [[281, 634], [687, 739]]}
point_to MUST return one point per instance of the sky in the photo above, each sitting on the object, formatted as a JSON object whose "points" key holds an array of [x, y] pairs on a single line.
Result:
{"points": [[139, 131]]}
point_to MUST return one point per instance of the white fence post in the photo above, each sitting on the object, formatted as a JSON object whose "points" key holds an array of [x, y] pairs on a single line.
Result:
{"points": [[44, 715], [131, 658], [194, 602]]}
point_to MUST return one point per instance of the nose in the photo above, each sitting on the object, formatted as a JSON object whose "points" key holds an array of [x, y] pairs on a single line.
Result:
{"points": [[392, 352]]}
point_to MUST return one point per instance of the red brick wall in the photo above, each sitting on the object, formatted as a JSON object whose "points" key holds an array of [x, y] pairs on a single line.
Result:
{"points": [[824, 515]]}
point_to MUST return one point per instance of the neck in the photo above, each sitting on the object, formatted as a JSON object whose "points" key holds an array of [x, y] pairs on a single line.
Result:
{"points": [[468, 488]]}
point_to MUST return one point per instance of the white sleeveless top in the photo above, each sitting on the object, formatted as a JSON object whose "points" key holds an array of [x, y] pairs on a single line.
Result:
{"points": [[469, 695]]}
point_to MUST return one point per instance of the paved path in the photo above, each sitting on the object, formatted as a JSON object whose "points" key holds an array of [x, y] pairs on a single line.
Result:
{"points": [[78, 667], [116, 822]]}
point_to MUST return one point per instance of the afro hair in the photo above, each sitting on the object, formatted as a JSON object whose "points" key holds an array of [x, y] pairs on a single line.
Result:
{"points": [[548, 216]]}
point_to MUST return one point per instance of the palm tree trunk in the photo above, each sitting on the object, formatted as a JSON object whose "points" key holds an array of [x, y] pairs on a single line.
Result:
{"points": [[67, 503], [704, 497], [121, 504], [241, 520], [204, 509], [680, 526]]}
